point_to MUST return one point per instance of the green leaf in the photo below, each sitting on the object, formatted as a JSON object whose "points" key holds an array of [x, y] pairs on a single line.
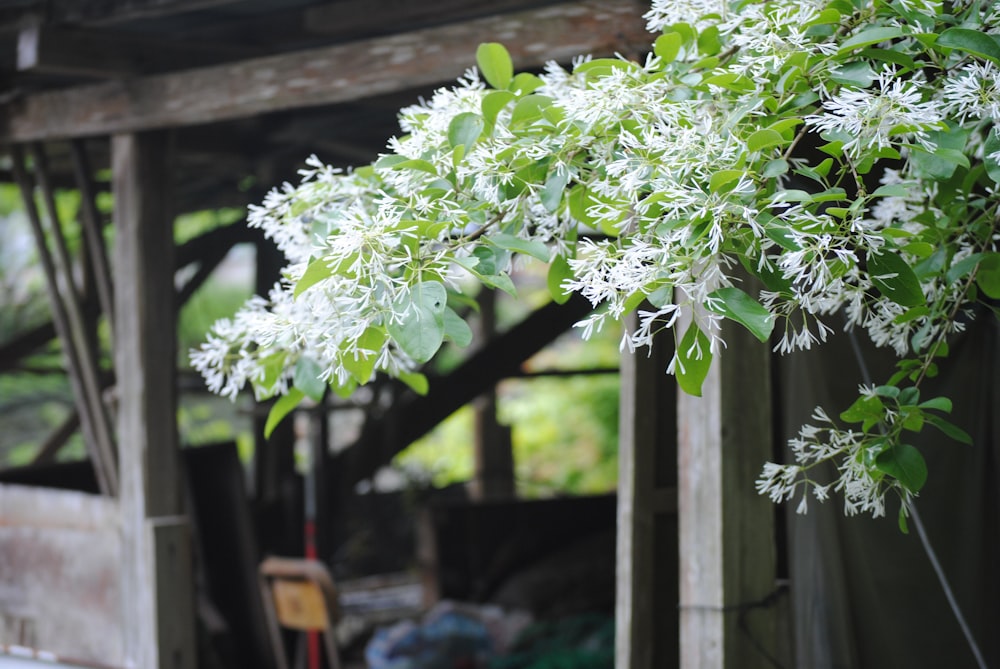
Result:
{"points": [[991, 148], [361, 363], [456, 329], [416, 164], [495, 64], [559, 271], [709, 42], [913, 420], [826, 16], [418, 326], [895, 279], [579, 202], [904, 463], [530, 247], [949, 154], [890, 56], [971, 41], [273, 367], [891, 190], [864, 409], [667, 46], [528, 109], [870, 36], [891, 392], [416, 381], [307, 378], [316, 271], [988, 276], [464, 130], [765, 139], [501, 281], [903, 527], [493, 102], [858, 74], [722, 178], [950, 429], [525, 83], [909, 396], [694, 359], [733, 303], [281, 408], [774, 168], [938, 404], [551, 194]]}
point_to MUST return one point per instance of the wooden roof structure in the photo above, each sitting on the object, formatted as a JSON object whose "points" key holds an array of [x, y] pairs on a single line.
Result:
{"points": [[186, 105]]}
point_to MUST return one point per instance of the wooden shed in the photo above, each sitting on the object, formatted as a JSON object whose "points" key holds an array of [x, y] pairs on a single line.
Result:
{"points": [[175, 106]]}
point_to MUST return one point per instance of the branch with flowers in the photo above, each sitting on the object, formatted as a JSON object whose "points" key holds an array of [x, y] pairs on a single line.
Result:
{"points": [[844, 153]]}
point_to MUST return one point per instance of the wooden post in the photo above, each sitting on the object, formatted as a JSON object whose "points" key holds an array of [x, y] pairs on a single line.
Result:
{"points": [[158, 630], [494, 452], [646, 608], [727, 540]]}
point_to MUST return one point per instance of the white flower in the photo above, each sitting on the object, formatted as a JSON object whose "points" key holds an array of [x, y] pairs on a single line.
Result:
{"points": [[973, 92], [664, 13], [879, 117]]}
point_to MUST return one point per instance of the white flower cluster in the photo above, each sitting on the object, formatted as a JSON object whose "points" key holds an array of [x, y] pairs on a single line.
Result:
{"points": [[753, 140], [815, 446]]}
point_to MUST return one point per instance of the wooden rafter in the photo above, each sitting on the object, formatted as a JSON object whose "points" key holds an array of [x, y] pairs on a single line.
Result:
{"points": [[112, 11], [324, 76], [68, 320], [46, 49]]}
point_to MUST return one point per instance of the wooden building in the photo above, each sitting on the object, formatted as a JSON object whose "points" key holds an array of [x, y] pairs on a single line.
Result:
{"points": [[175, 106]]}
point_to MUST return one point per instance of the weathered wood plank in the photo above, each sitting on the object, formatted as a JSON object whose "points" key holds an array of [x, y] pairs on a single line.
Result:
{"points": [[45, 49], [144, 360], [727, 539], [59, 554], [170, 539], [327, 75], [646, 594], [108, 11]]}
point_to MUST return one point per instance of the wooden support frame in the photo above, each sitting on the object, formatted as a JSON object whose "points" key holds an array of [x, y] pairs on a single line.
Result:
{"points": [[728, 555], [646, 618], [325, 76], [158, 630], [90, 220], [68, 318]]}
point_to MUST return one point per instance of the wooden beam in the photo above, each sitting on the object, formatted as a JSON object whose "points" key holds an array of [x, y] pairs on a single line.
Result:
{"points": [[327, 75], [25, 344], [111, 11], [155, 627], [352, 19], [50, 447], [46, 49], [91, 224], [728, 566], [646, 618]]}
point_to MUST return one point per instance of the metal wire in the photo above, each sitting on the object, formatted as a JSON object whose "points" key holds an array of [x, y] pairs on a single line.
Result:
{"points": [[922, 534]]}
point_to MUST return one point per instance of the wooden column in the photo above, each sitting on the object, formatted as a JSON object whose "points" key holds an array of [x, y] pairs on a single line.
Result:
{"points": [[727, 539], [646, 608], [494, 453], [157, 586]]}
